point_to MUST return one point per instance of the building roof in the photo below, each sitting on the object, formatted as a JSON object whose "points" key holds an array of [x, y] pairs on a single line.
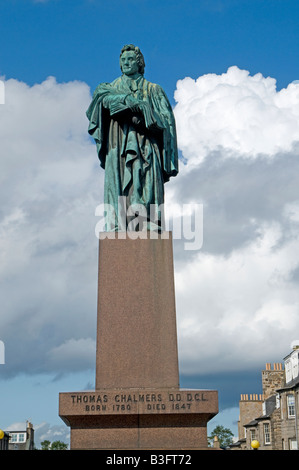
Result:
{"points": [[238, 443], [295, 348], [288, 386], [16, 432], [270, 406], [251, 423]]}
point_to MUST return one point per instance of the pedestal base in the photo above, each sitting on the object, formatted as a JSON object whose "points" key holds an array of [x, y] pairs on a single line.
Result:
{"points": [[141, 419], [137, 402]]}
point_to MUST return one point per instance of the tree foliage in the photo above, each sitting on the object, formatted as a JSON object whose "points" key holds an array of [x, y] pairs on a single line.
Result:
{"points": [[225, 436], [55, 445]]}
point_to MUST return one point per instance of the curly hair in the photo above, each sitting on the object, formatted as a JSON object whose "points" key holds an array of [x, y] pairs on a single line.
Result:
{"points": [[139, 56]]}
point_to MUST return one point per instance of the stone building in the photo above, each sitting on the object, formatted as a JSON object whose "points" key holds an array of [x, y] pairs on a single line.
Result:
{"points": [[289, 402], [249, 406], [272, 417], [265, 428], [22, 439]]}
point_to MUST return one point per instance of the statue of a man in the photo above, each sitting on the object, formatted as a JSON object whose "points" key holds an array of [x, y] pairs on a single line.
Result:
{"points": [[133, 126]]}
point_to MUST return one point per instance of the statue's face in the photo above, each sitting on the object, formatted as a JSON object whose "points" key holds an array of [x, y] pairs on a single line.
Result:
{"points": [[128, 63]]}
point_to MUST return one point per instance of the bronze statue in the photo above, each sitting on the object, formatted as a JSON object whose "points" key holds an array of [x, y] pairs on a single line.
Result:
{"points": [[132, 123]]}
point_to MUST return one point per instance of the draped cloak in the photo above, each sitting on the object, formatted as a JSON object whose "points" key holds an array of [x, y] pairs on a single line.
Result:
{"points": [[137, 148]]}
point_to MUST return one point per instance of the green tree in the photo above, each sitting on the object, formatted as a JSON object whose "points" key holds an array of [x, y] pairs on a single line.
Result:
{"points": [[225, 436], [55, 445], [58, 445], [45, 445]]}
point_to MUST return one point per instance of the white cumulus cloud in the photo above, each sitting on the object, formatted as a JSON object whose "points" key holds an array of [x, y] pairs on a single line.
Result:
{"points": [[240, 114]]}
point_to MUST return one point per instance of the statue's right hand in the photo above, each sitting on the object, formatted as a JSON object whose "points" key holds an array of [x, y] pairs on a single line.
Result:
{"points": [[132, 102]]}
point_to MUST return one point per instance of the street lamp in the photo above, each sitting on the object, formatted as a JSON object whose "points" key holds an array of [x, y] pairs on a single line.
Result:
{"points": [[255, 444]]}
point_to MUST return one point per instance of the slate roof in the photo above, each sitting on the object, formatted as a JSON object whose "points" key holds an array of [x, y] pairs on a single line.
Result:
{"points": [[288, 386], [270, 405]]}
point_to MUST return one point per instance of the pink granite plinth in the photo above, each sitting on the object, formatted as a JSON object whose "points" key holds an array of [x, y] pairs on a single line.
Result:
{"points": [[139, 418], [137, 402], [137, 336]]}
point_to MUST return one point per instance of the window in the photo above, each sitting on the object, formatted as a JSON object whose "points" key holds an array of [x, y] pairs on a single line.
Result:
{"points": [[288, 370], [292, 366], [264, 407], [291, 406], [293, 444], [267, 439], [17, 437], [294, 361], [252, 434]]}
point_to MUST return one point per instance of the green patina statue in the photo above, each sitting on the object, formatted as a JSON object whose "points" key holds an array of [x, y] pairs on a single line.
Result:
{"points": [[132, 123]]}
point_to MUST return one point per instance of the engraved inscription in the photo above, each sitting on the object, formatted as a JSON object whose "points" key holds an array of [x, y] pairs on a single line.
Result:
{"points": [[137, 402]]}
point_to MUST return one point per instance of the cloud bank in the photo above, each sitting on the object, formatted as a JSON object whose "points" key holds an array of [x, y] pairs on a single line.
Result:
{"points": [[237, 298], [50, 185]]}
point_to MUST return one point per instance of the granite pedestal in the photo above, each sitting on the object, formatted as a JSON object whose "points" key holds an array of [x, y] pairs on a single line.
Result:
{"points": [[137, 402]]}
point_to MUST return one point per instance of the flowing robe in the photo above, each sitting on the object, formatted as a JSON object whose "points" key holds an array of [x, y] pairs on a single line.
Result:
{"points": [[136, 147]]}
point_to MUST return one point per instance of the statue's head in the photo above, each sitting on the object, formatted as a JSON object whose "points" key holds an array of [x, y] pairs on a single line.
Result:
{"points": [[138, 55]]}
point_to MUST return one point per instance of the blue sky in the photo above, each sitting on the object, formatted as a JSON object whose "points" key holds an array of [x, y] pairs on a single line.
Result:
{"points": [[80, 39], [243, 156]]}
